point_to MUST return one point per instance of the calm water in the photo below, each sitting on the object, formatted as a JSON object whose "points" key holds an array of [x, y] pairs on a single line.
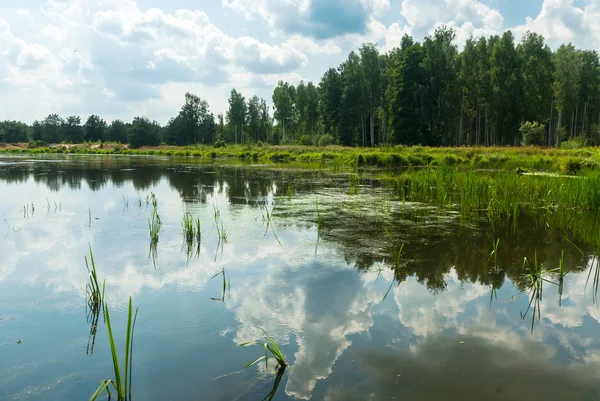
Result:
{"points": [[451, 327]]}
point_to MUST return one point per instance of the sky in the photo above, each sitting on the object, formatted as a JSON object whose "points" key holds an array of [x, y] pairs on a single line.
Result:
{"points": [[125, 58]]}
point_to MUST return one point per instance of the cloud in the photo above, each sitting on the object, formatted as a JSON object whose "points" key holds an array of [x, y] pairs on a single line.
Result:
{"points": [[467, 17], [562, 21], [90, 49], [319, 19]]}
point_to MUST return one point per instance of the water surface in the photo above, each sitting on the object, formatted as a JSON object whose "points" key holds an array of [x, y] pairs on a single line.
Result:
{"points": [[452, 327]]}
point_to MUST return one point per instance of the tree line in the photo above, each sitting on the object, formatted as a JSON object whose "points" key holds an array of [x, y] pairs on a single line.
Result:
{"points": [[493, 92]]}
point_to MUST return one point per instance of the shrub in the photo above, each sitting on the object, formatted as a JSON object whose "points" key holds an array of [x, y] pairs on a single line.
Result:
{"points": [[533, 133], [572, 165], [574, 143], [305, 140], [219, 143], [36, 144], [325, 140]]}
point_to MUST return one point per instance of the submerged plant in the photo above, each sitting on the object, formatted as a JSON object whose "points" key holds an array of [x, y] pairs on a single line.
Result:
{"points": [[121, 383]]}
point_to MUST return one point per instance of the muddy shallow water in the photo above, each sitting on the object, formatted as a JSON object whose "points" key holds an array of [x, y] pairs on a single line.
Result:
{"points": [[457, 324]]}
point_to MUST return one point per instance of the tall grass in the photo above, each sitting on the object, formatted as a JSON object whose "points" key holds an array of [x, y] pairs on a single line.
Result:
{"points": [[120, 383], [271, 349], [226, 284], [192, 233], [94, 301]]}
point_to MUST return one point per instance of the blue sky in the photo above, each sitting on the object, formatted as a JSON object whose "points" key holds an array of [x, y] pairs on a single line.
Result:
{"points": [[123, 58]]}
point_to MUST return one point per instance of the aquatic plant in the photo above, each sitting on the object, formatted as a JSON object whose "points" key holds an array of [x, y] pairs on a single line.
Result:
{"points": [[267, 219], [270, 349], [353, 184], [94, 294], [226, 284], [495, 252], [94, 301], [121, 384]]}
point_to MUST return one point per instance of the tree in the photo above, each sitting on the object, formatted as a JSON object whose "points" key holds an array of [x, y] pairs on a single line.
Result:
{"points": [[253, 118], [37, 131], [351, 102], [52, 129], [372, 77], [407, 93], [93, 129], [536, 70], [13, 131], [330, 99], [117, 132], [143, 132], [440, 69], [73, 130], [236, 116], [566, 86], [284, 97]]}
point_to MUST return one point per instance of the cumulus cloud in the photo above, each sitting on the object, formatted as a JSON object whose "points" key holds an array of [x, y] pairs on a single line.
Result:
{"points": [[319, 19], [90, 49]]}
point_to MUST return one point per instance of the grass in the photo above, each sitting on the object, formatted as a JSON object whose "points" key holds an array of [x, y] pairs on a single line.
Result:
{"points": [[397, 254], [389, 157], [267, 217], [94, 301], [121, 383], [494, 253], [271, 349], [226, 284], [192, 233], [94, 293]]}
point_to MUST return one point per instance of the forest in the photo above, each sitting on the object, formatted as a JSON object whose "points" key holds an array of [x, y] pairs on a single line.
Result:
{"points": [[491, 92]]}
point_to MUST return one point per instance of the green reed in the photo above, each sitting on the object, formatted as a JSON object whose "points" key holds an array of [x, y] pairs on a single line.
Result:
{"points": [[226, 284], [396, 258], [494, 253], [267, 217], [121, 383], [271, 349], [353, 184], [94, 294], [94, 300]]}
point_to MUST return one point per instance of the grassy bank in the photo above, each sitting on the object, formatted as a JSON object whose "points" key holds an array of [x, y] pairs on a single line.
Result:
{"points": [[569, 161]]}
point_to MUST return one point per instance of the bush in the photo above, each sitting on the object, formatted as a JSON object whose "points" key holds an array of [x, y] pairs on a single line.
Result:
{"points": [[533, 133], [572, 165], [305, 140], [219, 143], [325, 140], [575, 143], [37, 144]]}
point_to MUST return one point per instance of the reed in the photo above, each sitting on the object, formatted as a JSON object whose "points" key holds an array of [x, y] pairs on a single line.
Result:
{"points": [[94, 294], [226, 284], [270, 349], [267, 217], [121, 383], [494, 253]]}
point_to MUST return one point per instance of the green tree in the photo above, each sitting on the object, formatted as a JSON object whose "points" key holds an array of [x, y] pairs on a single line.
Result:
{"points": [[566, 87], [351, 102], [236, 116], [73, 130], [330, 99], [440, 64], [37, 131], [372, 81], [13, 131], [52, 129], [253, 119], [143, 132], [94, 129], [284, 97], [536, 69], [117, 132]]}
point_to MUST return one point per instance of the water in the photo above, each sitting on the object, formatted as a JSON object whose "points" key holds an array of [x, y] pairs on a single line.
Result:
{"points": [[450, 328]]}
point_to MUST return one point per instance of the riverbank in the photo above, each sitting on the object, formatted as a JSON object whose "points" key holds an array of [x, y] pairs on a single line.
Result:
{"points": [[570, 161]]}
